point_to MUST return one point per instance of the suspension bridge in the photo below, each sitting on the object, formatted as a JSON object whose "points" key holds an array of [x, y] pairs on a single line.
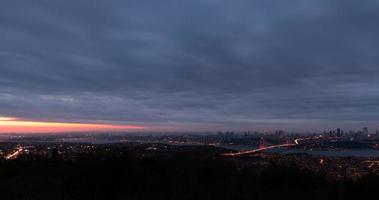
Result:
{"points": [[262, 147]]}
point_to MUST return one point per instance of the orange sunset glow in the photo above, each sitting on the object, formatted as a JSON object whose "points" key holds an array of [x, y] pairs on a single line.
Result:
{"points": [[13, 125]]}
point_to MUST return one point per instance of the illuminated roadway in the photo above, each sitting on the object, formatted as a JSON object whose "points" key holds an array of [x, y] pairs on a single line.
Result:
{"points": [[257, 150], [14, 154], [296, 142]]}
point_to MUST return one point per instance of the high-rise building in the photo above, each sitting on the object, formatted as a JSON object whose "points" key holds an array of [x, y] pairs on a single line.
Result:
{"points": [[339, 132], [365, 130]]}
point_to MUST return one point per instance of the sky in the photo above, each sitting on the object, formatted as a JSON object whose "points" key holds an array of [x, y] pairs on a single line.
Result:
{"points": [[194, 65]]}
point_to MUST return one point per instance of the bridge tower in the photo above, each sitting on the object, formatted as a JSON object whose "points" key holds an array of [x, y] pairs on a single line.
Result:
{"points": [[289, 141], [262, 143]]}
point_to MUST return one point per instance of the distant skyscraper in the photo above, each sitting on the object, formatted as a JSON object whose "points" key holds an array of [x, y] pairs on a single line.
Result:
{"points": [[365, 130], [338, 132], [279, 132]]}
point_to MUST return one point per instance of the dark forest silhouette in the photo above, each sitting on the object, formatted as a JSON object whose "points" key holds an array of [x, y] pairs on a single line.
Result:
{"points": [[181, 175]]}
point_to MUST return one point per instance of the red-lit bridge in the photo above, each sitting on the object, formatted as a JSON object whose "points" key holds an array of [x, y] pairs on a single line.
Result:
{"points": [[262, 147], [240, 153]]}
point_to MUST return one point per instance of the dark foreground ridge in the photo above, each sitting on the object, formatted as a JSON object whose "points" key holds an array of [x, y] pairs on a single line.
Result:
{"points": [[146, 172]]}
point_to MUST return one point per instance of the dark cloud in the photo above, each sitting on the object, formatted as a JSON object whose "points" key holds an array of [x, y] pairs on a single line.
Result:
{"points": [[201, 64]]}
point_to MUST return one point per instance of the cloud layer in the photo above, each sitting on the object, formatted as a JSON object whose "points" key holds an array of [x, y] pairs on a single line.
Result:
{"points": [[192, 65]]}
